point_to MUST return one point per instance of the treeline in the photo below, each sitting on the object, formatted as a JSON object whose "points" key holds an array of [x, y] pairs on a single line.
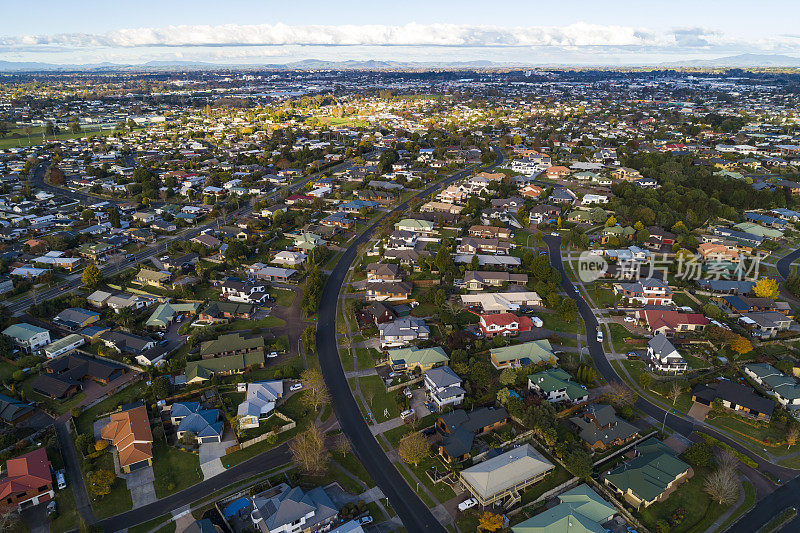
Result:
{"points": [[692, 194]]}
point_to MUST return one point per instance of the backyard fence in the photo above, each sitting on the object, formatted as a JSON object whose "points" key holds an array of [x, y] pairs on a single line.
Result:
{"points": [[291, 424]]}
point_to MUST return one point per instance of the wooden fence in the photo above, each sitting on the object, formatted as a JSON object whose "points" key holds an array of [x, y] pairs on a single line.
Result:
{"points": [[274, 433]]}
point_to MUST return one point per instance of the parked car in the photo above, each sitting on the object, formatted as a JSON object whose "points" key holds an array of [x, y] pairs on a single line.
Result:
{"points": [[364, 520], [296, 386], [271, 355], [394, 374], [407, 392], [130, 257], [632, 355], [51, 507], [407, 414], [629, 319], [467, 504], [61, 481], [599, 336]]}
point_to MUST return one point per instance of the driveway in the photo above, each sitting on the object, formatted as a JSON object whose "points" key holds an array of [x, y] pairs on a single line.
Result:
{"points": [[699, 411], [140, 483], [211, 452], [36, 518], [417, 402]]}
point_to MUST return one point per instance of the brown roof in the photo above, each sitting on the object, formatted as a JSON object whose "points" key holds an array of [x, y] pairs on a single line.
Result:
{"points": [[130, 432]]}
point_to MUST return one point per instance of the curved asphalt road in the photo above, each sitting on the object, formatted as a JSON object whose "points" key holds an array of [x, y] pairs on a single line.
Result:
{"points": [[785, 263], [412, 511], [679, 424]]}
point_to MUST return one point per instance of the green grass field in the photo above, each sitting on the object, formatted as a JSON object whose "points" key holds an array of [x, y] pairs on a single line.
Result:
{"points": [[379, 400], [174, 470]]}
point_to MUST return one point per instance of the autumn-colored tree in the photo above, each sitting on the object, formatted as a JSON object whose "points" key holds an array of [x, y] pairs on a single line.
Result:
{"points": [[612, 221], [675, 391], [413, 448], [92, 276], [741, 345], [101, 481], [619, 395], [766, 288], [309, 453], [100, 445], [316, 393], [490, 522], [792, 434]]}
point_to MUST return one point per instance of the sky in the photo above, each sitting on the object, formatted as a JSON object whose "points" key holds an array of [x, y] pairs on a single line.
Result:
{"points": [[574, 32]]}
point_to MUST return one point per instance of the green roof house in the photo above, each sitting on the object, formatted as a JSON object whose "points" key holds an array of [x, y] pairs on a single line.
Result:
{"points": [[231, 344], [27, 336], [164, 314], [308, 241], [556, 385], [412, 357], [650, 476], [520, 355], [580, 510], [204, 369]]}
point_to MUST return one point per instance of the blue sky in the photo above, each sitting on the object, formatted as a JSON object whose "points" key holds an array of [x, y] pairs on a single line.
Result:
{"points": [[237, 31]]}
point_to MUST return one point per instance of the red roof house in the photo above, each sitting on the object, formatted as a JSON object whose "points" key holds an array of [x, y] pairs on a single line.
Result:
{"points": [[669, 322], [28, 481], [504, 324]]}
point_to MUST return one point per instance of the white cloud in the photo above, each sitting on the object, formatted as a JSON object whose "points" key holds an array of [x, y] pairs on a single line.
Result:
{"points": [[413, 34], [591, 42]]}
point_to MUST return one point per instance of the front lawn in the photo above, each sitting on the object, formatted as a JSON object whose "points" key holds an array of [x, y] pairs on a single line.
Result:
{"points": [[119, 499], [379, 400], [690, 497], [67, 519], [283, 297], [264, 323], [174, 470], [364, 357]]}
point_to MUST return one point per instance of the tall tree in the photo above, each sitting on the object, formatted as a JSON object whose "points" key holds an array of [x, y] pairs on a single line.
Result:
{"points": [[309, 453]]}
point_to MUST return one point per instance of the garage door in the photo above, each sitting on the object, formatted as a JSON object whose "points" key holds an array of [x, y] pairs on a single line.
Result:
{"points": [[138, 466], [209, 439]]}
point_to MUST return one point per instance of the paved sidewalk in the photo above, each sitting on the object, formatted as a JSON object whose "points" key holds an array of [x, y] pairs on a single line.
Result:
{"points": [[364, 372], [377, 429]]}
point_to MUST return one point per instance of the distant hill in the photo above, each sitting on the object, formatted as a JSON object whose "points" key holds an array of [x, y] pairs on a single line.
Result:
{"points": [[740, 61], [737, 61]]}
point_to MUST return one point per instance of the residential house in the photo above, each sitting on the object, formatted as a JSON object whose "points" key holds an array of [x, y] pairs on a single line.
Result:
{"points": [[580, 510], [734, 396], [157, 278], [226, 311], [190, 418], [402, 331], [407, 359], [63, 346], [388, 291], [125, 342], [649, 476], [383, 272], [649, 291], [259, 402], [289, 258], [502, 479], [670, 322], [198, 371], [459, 429], [74, 318], [231, 344], [478, 280], [285, 509], [662, 356], [13, 411], [28, 337], [522, 355], [556, 385], [765, 325], [443, 387], [784, 388], [506, 324], [501, 302], [130, 432], [27, 481], [600, 427], [244, 292], [166, 313]]}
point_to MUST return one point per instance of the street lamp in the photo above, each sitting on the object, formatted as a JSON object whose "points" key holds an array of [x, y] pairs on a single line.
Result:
{"points": [[664, 423]]}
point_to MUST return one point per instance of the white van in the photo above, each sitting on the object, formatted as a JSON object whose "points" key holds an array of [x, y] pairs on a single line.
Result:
{"points": [[61, 480], [599, 336]]}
